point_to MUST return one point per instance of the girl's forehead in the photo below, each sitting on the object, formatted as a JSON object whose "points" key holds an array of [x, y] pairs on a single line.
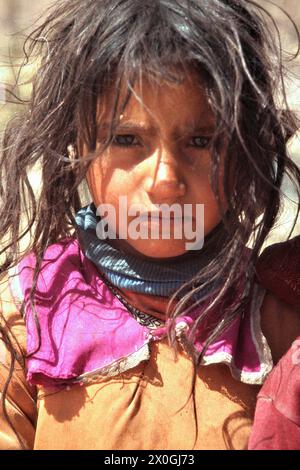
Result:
{"points": [[150, 98]]}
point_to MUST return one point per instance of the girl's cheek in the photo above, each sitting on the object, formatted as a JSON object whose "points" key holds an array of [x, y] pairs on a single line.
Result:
{"points": [[94, 178], [99, 175]]}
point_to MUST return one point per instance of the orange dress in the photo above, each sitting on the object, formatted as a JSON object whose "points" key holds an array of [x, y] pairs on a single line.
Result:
{"points": [[147, 407]]}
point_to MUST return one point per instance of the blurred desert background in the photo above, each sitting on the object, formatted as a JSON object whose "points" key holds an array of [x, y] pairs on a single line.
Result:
{"points": [[17, 18]]}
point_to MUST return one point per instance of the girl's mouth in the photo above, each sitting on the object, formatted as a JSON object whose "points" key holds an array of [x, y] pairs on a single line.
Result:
{"points": [[148, 216]]}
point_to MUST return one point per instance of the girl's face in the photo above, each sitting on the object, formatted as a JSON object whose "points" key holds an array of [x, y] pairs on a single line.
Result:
{"points": [[160, 154]]}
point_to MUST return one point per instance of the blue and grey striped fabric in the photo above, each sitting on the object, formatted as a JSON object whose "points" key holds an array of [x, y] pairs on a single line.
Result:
{"points": [[129, 271]]}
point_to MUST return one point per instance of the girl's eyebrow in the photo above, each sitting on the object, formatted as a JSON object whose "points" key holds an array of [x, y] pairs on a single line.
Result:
{"points": [[135, 126]]}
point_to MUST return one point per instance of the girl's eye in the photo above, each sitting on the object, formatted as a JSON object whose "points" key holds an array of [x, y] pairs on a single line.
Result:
{"points": [[200, 142], [126, 140]]}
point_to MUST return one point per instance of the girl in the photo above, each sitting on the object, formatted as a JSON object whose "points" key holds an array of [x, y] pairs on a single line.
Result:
{"points": [[139, 342]]}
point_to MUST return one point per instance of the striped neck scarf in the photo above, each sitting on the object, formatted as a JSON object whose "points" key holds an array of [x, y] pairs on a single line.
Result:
{"points": [[147, 276]]}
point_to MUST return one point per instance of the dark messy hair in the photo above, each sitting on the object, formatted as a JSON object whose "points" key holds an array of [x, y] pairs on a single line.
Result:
{"points": [[90, 46]]}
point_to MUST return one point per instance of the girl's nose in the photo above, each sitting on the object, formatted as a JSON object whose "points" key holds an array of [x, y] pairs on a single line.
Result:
{"points": [[166, 182]]}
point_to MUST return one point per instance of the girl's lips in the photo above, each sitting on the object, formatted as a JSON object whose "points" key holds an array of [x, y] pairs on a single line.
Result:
{"points": [[159, 216]]}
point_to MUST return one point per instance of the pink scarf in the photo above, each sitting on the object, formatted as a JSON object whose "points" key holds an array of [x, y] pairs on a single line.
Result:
{"points": [[87, 333]]}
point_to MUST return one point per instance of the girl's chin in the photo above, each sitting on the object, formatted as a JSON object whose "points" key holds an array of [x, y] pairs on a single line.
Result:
{"points": [[159, 249], [152, 249]]}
